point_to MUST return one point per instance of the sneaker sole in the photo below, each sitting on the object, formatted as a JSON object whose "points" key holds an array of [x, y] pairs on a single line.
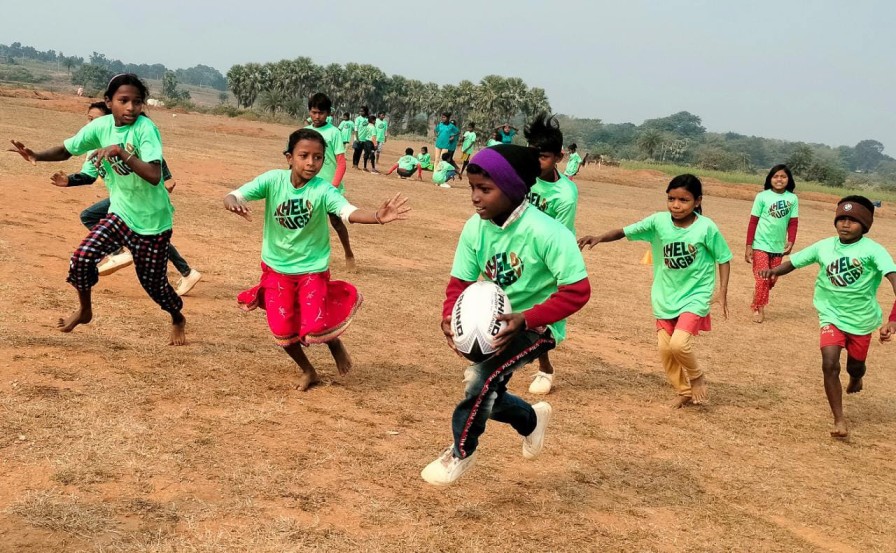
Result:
{"points": [[116, 268]]}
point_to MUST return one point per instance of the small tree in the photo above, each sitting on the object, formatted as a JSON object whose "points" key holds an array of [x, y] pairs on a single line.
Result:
{"points": [[93, 78]]}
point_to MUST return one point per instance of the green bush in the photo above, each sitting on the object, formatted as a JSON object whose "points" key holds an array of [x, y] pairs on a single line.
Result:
{"points": [[21, 75]]}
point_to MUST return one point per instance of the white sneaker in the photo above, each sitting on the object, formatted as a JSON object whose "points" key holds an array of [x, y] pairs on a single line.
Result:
{"points": [[534, 442], [188, 282], [444, 185], [541, 383], [115, 262], [447, 468]]}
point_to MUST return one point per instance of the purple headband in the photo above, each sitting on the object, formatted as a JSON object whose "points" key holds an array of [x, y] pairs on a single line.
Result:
{"points": [[502, 173]]}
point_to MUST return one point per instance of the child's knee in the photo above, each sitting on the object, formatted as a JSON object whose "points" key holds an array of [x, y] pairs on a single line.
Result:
{"points": [[855, 368], [681, 343]]}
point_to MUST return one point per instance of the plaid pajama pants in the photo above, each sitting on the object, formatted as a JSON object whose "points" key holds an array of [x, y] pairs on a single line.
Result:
{"points": [[150, 259]]}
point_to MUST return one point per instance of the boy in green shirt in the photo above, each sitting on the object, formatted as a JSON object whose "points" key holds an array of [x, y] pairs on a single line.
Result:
{"points": [[574, 161], [466, 148], [536, 262], [345, 129], [406, 165], [361, 123], [852, 267], [382, 129]]}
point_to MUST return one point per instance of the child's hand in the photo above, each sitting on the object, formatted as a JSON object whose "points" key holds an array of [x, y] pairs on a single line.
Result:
{"points": [[748, 255], [767, 273], [515, 323], [59, 178], [232, 204], [394, 209], [106, 153], [26, 153], [723, 303], [446, 330], [170, 188], [887, 331], [787, 247], [589, 241]]}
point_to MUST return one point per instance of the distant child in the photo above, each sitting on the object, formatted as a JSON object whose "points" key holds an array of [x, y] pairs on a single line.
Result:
{"points": [[425, 159], [382, 130], [466, 148], [91, 216], [345, 129], [574, 161], [534, 259], [686, 247], [333, 169], [446, 137], [555, 195], [367, 139], [127, 150], [444, 172], [494, 140], [852, 267], [303, 306], [361, 124], [506, 133], [406, 165], [771, 232]]}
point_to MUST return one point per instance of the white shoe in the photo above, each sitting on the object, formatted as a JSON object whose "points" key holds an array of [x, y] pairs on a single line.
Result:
{"points": [[444, 185], [115, 262], [188, 282], [541, 383], [447, 468], [534, 442]]}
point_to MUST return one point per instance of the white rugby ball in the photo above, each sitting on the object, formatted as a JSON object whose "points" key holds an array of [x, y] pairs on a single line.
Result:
{"points": [[474, 319]]}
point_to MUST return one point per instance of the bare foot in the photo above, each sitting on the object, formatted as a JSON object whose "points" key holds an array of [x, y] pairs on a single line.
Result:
{"points": [[854, 386], [341, 356], [699, 390], [758, 316], [307, 379], [840, 430], [680, 401], [350, 263], [178, 335], [79, 317]]}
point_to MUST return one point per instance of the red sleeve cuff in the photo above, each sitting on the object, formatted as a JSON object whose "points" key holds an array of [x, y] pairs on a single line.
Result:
{"points": [[562, 303]]}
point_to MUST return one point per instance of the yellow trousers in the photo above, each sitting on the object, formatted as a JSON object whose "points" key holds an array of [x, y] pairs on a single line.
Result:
{"points": [[679, 360]]}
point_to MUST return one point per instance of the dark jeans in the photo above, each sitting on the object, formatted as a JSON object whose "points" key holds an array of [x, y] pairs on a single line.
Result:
{"points": [[93, 214], [486, 395], [356, 153]]}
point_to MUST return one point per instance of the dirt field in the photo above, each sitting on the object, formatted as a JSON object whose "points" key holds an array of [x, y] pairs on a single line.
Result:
{"points": [[112, 441]]}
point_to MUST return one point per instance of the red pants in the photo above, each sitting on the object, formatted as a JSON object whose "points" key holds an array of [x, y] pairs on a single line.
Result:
{"points": [[763, 260]]}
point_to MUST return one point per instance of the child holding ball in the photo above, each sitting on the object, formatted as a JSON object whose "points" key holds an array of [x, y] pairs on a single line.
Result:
{"points": [[686, 247], [534, 259], [303, 306]]}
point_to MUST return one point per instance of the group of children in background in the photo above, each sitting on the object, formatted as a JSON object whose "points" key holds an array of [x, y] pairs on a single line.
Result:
{"points": [[521, 237]]}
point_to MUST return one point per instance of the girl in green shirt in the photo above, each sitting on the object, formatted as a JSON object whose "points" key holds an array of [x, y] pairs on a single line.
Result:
{"points": [[686, 248]]}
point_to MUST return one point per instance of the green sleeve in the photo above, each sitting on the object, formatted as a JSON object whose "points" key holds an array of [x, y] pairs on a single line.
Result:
{"points": [[758, 206], [884, 261], [465, 266], [334, 200], [806, 256], [795, 212], [257, 188], [89, 168], [643, 230], [563, 258], [149, 142], [566, 214], [717, 245], [86, 140]]}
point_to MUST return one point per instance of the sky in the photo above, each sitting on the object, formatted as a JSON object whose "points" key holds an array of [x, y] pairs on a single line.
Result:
{"points": [[814, 71]]}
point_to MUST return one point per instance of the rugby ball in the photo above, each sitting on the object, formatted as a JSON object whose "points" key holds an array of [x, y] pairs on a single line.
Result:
{"points": [[474, 319]]}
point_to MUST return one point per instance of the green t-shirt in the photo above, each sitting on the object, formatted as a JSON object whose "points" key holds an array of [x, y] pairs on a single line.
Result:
{"points": [[469, 140], [572, 164], [774, 211], [684, 262], [529, 259], [440, 175], [425, 161], [145, 207], [360, 121], [346, 128], [557, 199], [334, 148], [381, 127], [846, 287], [408, 163], [89, 168], [492, 142], [296, 236], [366, 132]]}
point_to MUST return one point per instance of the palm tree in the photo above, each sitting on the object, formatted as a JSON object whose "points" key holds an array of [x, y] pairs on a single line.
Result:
{"points": [[649, 141]]}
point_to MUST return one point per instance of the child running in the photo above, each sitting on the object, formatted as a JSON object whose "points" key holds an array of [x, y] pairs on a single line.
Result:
{"points": [[466, 148], [406, 165], [555, 195], [303, 306], [425, 159], [574, 161], [534, 259], [333, 169], [852, 267], [127, 150], [771, 232], [444, 172], [686, 248]]}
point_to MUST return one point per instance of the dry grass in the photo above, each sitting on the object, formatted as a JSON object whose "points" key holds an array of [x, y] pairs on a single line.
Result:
{"points": [[112, 441]]}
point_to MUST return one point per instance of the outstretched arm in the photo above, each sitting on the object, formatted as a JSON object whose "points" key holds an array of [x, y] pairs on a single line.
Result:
{"points": [[392, 210], [781, 270], [235, 205], [591, 241], [57, 153], [889, 328]]}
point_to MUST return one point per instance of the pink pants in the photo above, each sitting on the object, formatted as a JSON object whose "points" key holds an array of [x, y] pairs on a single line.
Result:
{"points": [[763, 260]]}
